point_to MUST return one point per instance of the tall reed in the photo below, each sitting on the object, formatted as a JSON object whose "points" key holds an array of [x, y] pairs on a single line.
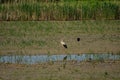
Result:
{"points": [[62, 10]]}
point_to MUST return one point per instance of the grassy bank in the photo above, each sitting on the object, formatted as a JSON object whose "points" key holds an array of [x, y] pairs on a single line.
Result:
{"points": [[62, 10], [34, 37], [72, 71]]}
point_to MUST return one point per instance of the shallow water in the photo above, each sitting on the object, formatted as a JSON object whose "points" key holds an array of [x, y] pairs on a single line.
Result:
{"points": [[33, 59]]}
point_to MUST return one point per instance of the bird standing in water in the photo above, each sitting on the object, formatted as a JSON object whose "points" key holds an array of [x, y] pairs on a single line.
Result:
{"points": [[63, 43]]}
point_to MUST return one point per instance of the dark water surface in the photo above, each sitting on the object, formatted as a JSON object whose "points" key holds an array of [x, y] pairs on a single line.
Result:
{"points": [[33, 59]]}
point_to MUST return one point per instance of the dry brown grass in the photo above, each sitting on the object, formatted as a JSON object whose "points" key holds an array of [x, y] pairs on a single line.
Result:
{"points": [[74, 71]]}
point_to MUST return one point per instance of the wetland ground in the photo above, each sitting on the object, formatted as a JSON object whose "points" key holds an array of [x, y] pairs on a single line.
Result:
{"points": [[43, 37], [35, 37], [108, 70]]}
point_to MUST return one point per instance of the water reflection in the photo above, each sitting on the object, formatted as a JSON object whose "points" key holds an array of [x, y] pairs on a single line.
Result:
{"points": [[32, 59]]}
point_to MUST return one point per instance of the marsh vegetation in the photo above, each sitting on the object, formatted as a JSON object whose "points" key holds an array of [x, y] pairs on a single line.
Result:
{"points": [[63, 10], [35, 27]]}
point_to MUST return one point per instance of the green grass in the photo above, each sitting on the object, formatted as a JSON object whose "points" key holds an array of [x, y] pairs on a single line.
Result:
{"points": [[44, 28], [63, 10], [45, 36]]}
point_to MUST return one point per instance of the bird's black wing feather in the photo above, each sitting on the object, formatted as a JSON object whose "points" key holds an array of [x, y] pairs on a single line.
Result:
{"points": [[65, 46]]}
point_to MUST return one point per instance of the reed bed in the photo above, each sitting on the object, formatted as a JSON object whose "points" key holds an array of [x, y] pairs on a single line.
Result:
{"points": [[58, 10]]}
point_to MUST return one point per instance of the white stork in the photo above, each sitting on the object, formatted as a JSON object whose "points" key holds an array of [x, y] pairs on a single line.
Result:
{"points": [[63, 43]]}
